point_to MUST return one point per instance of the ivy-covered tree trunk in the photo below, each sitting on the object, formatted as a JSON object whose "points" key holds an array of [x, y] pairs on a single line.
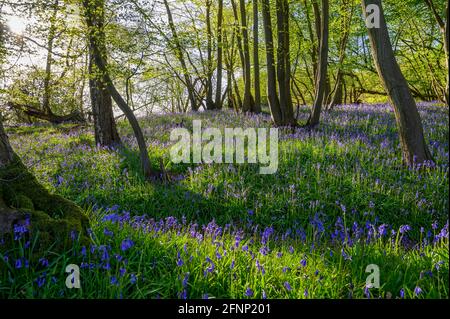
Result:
{"points": [[24, 200]]}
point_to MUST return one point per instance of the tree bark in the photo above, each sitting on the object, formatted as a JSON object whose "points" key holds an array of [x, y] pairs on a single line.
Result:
{"points": [[49, 60], [283, 63], [218, 98], [6, 152], [247, 103], [346, 21], [180, 56], [104, 125], [209, 63], [272, 97], [409, 124], [443, 26], [102, 67], [321, 77], [23, 198], [257, 83]]}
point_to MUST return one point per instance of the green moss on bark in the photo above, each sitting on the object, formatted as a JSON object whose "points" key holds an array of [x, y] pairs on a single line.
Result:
{"points": [[52, 216]]}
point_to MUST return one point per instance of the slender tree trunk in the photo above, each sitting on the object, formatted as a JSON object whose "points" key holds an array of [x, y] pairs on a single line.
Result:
{"points": [[257, 87], [102, 69], [218, 99], [272, 97], [409, 124], [443, 26], [247, 104], [283, 65], [314, 49], [446, 39], [209, 64], [346, 21], [321, 77], [104, 124], [238, 34], [180, 56], [48, 65]]}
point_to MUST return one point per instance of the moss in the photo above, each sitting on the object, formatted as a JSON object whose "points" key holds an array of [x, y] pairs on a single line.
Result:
{"points": [[52, 217], [22, 201]]}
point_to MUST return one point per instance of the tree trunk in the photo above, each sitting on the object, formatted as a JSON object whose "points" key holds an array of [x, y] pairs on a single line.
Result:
{"points": [[48, 64], [247, 103], [218, 99], [102, 111], [209, 63], [6, 152], [102, 68], [23, 198], [283, 63], [443, 26], [257, 87], [237, 32], [180, 56], [321, 77], [272, 97], [346, 21], [414, 147]]}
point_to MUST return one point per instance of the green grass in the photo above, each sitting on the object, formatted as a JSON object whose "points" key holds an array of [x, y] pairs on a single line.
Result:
{"points": [[349, 169]]}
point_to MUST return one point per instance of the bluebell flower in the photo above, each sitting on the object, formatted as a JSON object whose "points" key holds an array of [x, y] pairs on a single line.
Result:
{"points": [[367, 292], [114, 281], [108, 232], [185, 280], [287, 286], [417, 291], [126, 244], [404, 229], [183, 294], [40, 281], [83, 251], [18, 263], [43, 262], [249, 292]]}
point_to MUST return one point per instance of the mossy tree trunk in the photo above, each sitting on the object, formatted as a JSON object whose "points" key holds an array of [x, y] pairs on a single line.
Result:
{"points": [[23, 198]]}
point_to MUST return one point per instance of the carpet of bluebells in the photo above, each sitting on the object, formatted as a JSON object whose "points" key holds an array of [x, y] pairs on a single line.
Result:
{"points": [[340, 201]]}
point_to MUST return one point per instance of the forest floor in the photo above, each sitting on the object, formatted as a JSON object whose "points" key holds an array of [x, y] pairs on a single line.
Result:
{"points": [[340, 201]]}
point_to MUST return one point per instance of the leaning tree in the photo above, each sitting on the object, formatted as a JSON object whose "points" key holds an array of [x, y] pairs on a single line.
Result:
{"points": [[409, 124]]}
